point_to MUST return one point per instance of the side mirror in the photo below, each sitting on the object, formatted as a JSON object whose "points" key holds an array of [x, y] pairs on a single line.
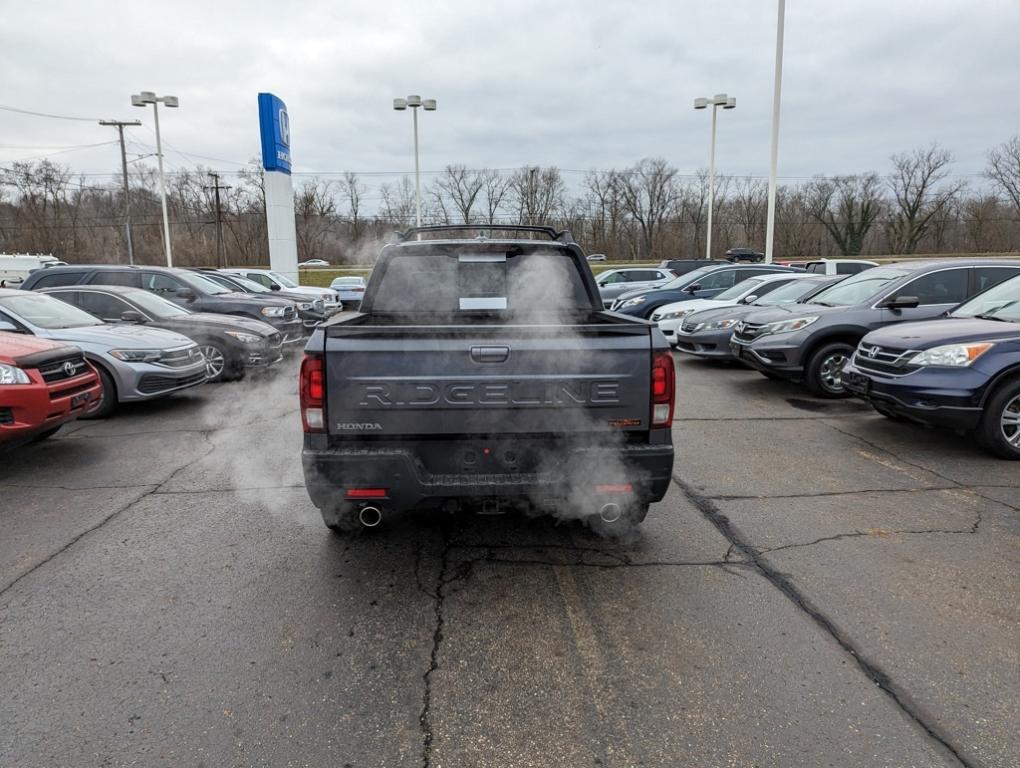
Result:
{"points": [[901, 302], [693, 288], [132, 316], [750, 299], [9, 327], [186, 294], [274, 287]]}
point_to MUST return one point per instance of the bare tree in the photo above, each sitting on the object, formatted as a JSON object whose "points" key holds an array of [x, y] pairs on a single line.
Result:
{"points": [[848, 207], [496, 186], [1004, 169], [462, 188], [749, 202], [315, 212], [918, 195], [536, 193], [351, 189], [649, 192], [398, 203]]}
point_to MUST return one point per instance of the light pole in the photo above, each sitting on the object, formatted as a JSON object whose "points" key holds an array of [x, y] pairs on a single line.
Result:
{"points": [[429, 105], [770, 220], [726, 102], [143, 99]]}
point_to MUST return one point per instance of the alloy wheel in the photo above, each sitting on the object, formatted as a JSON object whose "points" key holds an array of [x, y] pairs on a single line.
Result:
{"points": [[214, 361], [830, 372], [1009, 422]]}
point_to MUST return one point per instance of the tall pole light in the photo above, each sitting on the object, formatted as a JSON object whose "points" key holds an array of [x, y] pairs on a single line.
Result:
{"points": [[143, 99], [770, 220], [726, 102], [119, 125], [429, 105]]}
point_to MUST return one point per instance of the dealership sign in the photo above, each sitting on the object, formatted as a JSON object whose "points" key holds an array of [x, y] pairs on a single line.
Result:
{"points": [[274, 126]]}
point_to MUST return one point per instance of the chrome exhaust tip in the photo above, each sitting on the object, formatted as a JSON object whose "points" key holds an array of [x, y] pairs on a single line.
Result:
{"points": [[610, 512], [370, 517]]}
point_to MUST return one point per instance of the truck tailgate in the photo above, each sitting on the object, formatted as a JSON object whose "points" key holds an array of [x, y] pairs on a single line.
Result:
{"points": [[482, 380]]}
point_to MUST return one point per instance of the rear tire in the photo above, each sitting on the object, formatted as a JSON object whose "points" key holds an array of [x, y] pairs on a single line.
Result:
{"points": [[108, 398], [824, 373], [999, 430]]}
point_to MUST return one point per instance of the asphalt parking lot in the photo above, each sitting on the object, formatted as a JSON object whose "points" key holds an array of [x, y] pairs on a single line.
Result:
{"points": [[821, 587]]}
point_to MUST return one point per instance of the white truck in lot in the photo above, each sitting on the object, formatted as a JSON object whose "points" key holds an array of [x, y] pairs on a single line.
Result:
{"points": [[15, 267]]}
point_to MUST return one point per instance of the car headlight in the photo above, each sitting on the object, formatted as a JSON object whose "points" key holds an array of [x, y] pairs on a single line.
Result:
{"points": [[306, 305], [786, 326], [952, 355], [633, 302], [716, 325], [273, 311], [138, 355], [244, 338], [10, 374], [674, 315]]}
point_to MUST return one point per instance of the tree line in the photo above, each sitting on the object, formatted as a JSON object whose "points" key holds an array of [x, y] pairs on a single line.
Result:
{"points": [[646, 211]]}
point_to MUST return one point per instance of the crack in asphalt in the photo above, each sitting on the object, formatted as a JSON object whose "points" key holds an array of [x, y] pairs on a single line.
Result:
{"points": [[824, 494], [880, 533], [785, 585]]}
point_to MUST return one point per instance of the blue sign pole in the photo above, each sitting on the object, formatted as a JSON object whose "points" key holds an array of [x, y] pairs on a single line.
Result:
{"points": [[274, 130]]}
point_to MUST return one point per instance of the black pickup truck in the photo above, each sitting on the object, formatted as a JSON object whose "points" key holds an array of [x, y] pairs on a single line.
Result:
{"points": [[483, 373]]}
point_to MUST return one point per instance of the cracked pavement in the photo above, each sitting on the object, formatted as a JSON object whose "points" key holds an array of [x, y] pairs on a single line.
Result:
{"points": [[820, 587]]}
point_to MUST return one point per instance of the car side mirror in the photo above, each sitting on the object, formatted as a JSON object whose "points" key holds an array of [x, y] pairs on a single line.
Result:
{"points": [[186, 293], [693, 288], [132, 316], [9, 327], [274, 287], [750, 299], [901, 302]]}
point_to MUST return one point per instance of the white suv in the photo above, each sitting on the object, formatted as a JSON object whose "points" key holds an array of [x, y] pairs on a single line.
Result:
{"points": [[275, 281], [614, 282]]}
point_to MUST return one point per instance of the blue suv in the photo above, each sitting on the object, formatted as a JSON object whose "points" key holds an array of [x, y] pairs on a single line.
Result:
{"points": [[702, 283], [961, 372]]}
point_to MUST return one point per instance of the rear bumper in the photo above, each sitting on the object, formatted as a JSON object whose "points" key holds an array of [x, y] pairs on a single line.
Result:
{"points": [[939, 397], [567, 477]]}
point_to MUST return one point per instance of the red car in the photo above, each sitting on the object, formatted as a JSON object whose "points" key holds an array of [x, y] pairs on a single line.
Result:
{"points": [[43, 384]]}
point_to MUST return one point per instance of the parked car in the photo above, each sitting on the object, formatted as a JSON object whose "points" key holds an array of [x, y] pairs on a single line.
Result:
{"points": [[231, 345], [833, 266], [351, 289], [707, 333], [314, 263], [499, 401], [670, 316], [43, 385], [744, 254], [614, 282], [184, 287], [702, 283], [811, 342], [133, 362], [683, 266], [311, 311], [596, 257], [16, 267], [961, 372], [275, 281]]}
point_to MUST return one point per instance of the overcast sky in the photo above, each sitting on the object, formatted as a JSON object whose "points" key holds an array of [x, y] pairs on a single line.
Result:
{"points": [[575, 84]]}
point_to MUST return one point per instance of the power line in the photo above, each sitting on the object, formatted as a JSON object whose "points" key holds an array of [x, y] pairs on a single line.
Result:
{"points": [[20, 111]]}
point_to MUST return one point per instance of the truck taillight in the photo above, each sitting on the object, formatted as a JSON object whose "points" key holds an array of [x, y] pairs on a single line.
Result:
{"points": [[663, 389], [312, 390]]}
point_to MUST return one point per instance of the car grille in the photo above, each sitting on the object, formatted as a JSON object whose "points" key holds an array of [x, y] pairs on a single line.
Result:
{"points": [[66, 368], [152, 383], [688, 326], [289, 313], [747, 331], [275, 340], [319, 306], [6, 416], [884, 360], [180, 358]]}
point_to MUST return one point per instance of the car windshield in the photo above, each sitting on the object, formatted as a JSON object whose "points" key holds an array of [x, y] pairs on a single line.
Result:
{"points": [[859, 288], [1001, 302], [689, 278], [283, 280], [745, 287], [788, 293], [204, 284], [47, 312], [155, 305], [250, 285]]}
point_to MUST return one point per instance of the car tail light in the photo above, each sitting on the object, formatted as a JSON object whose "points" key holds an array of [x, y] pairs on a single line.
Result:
{"points": [[312, 392], [366, 493], [663, 389], [614, 488]]}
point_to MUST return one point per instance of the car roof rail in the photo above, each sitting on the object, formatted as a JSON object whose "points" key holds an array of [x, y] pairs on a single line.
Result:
{"points": [[558, 235]]}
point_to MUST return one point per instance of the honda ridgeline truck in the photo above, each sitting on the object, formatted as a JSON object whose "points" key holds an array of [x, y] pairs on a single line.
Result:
{"points": [[484, 374]]}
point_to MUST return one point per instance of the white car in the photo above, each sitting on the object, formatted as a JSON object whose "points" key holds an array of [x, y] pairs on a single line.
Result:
{"points": [[314, 263], [614, 282], [15, 267], [275, 281], [350, 287], [835, 266], [670, 316]]}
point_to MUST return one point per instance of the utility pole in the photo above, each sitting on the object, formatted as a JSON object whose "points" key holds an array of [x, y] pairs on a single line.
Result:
{"points": [[119, 124], [216, 187]]}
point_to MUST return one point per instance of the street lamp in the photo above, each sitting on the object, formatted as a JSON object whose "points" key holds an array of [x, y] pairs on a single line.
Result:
{"points": [[726, 102], [429, 105], [143, 99]]}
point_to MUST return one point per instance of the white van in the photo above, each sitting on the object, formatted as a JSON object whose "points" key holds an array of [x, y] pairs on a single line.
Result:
{"points": [[15, 267]]}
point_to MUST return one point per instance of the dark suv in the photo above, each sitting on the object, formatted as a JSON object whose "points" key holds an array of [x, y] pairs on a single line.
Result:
{"points": [[181, 286], [682, 266], [744, 254], [811, 342], [961, 372]]}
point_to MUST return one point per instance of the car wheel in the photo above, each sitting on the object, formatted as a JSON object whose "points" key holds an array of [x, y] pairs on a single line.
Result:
{"points": [[108, 398], [218, 366], [999, 430], [825, 370]]}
